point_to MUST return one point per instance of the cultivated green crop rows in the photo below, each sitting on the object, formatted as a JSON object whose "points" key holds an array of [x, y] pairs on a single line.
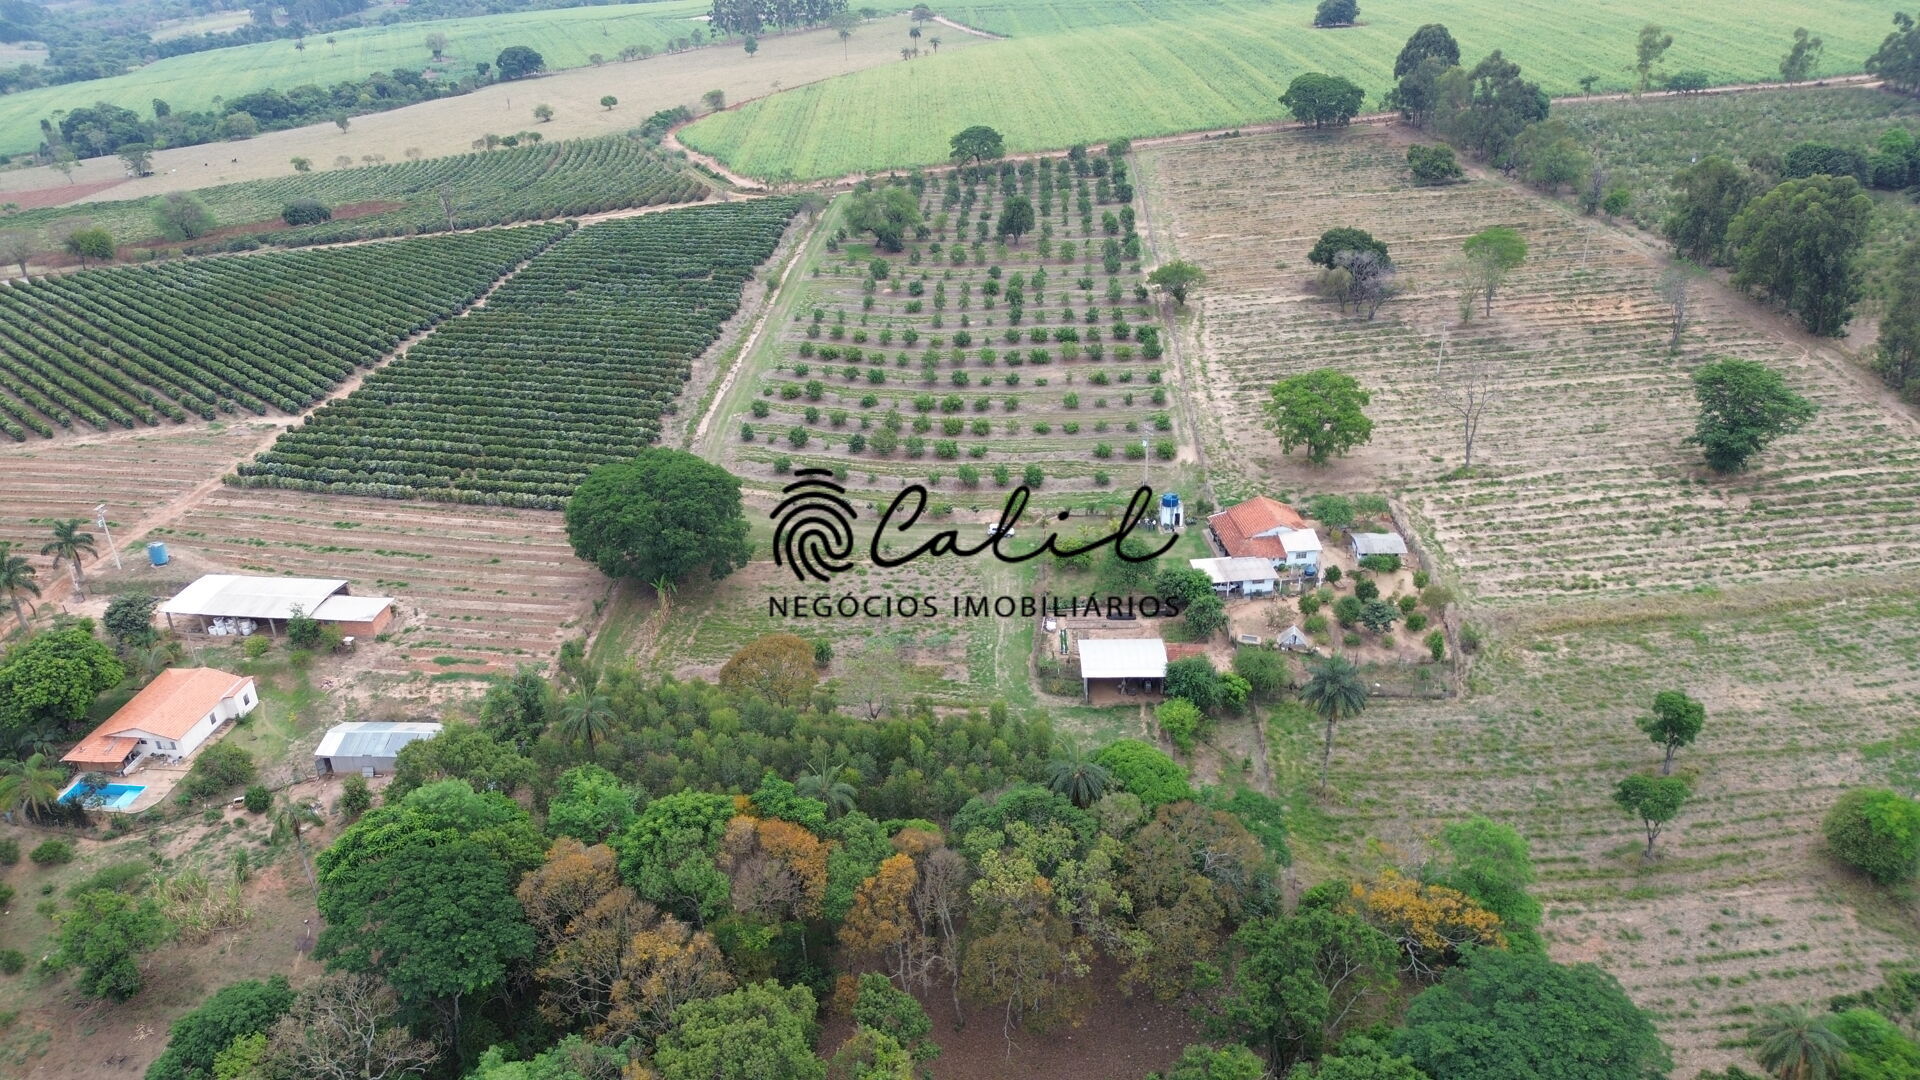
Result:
{"points": [[568, 366], [129, 346], [973, 358], [564, 38], [582, 176], [1089, 70]]}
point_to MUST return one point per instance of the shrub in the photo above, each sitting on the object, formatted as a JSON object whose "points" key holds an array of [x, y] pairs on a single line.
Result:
{"points": [[52, 853], [255, 646], [1309, 603], [12, 961], [1333, 575], [1380, 563], [1365, 589], [305, 212], [1420, 579], [1416, 622], [1145, 772], [1314, 625], [1194, 679], [1436, 644], [303, 630], [258, 800], [6, 895], [219, 768], [1347, 610], [1182, 722], [356, 797], [1876, 831], [9, 851]]}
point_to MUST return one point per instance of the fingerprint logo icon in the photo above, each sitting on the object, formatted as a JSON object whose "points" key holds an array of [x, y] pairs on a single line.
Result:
{"points": [[813, 526]]}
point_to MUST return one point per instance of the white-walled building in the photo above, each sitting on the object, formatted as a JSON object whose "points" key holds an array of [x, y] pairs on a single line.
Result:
{"points": [[176, 713]]}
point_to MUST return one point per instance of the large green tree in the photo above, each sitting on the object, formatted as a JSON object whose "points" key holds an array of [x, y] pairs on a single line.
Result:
{"points": [[1431, 41], [1503, 1015], [1344, 238], [1175, 278], [1320, 410], [1744, 406], [754, 1033], [1896, 356], [53, 678], [887, 211], [1323, 100], [1488, 106], [1897, 60], [1492, 254], [977, 144], [1655, 800], [518, 61], [1489, 861], [1794, 1044], [1707, 196], [460, 752], [661, 516], [667, 854], [1799, 245], [1295, 982], [422, 893]]}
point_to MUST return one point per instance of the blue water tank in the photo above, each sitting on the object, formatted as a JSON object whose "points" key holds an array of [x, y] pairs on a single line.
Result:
{"points": [[157, 553], [1169, 499]]}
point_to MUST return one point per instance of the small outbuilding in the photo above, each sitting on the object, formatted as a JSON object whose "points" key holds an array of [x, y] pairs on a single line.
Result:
{"points": [[242, 603], [1243, 576], [1129, 664], [172, 717], [1292, 640], [367, 747], [1377, 543]]}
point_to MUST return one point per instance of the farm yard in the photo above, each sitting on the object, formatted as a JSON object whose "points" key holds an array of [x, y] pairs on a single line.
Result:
{"points": [[493, 187], [1581, 483], [970, 357], [128, 346], [1090, 70], [571, 364]]}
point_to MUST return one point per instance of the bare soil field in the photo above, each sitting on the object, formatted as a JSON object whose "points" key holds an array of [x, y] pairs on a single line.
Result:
{"points": [[1581, 482], [449, 125], [1806, 689]]}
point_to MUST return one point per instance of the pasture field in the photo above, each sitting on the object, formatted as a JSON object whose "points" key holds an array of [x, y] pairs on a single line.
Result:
{"points": [[125, 346], [449, 125], [1085, 70], [571, 364], [1581, 483], [1643, 144], [1810, 690], [565, 38], [545, 180], [972, 358]]}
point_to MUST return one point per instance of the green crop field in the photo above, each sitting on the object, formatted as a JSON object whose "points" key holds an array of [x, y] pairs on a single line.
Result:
{"points": [[1088, 71], [564, 38]]}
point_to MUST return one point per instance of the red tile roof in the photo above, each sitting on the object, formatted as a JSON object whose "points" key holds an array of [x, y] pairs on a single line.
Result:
{"points": [[1237, 526], [98, 749], [174, 701]]}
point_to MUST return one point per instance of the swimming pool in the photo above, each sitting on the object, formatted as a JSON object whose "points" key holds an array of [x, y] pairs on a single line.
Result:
{"points": [[111, 797]]}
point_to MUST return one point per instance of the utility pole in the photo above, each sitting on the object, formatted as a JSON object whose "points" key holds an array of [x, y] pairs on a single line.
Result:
{"points": [[1146, 461], [100, 519]]}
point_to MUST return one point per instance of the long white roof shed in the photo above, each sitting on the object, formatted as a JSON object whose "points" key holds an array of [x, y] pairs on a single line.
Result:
{"points": [[1387, 543], [242, 596], [1123, 658], [1234, 569]]}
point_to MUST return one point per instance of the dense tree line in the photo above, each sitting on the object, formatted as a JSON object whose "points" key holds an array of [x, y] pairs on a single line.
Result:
{"points": [[754, 16]]}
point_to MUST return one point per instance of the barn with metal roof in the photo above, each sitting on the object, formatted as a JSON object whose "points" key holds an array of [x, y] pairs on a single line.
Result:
{"points": [[224, 602], [367, 747]]}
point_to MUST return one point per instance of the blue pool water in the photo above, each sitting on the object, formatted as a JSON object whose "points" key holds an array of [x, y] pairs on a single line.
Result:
{"points": [[111, 797]]}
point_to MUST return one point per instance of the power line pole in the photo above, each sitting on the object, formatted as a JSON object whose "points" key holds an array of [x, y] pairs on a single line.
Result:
{"points": [[100, 519]]}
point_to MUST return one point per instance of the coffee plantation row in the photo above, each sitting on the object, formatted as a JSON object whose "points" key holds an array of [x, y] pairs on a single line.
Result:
{"points": [[494, 187], [127, 346], [571, 364]]}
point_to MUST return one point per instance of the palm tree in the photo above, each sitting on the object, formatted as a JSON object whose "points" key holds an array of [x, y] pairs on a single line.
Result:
{"points": [[32, 785], [914, 33], [70, 543], [586, 715], [1794, 1044], [156, 658], [1336, 692], [823, 782], [935, 42], [664, 587], [16, 577], [1077, 776]]}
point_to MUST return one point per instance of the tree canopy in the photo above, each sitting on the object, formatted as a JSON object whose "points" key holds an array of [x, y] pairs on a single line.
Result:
{"points": [[1175, 278], [1504, 1015], [518, 61], [1675, 722], [1897, 60], [247, 1007], [1896, 355], [1876, 831], [1344, 238], [1323, 100], [977, 144], [1707, 196], [54, 677], [1320, 410], [1431, 40], [1744, 406], [889, 212], [103, 934], [1799, 245], [661, 516], [1336, 13], [754, 1033]]}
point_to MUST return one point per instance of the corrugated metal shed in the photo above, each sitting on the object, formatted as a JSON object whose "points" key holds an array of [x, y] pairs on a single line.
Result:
{"points": [[1387, 543], [1230, 570], [1123, 658], [239, 596], [351, 747], [351, 608]]}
